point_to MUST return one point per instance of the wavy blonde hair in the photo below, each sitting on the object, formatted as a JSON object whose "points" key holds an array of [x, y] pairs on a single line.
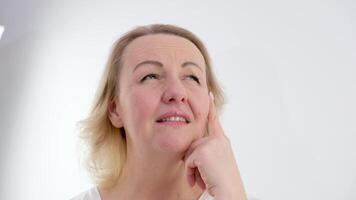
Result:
{"points": [[106, 144]]}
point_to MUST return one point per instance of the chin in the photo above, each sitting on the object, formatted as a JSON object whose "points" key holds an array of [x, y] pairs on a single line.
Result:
{"points": [[172, 143]]}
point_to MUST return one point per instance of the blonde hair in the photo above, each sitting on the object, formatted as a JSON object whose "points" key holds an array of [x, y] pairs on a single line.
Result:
{"points": [[106, 144]]}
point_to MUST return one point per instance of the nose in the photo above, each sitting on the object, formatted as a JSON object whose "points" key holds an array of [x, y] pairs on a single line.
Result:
{"points": [[174, 92]]}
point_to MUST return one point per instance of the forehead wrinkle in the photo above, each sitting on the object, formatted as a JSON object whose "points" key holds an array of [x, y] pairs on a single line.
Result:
{"points": [[151, 49], [169, 57]]}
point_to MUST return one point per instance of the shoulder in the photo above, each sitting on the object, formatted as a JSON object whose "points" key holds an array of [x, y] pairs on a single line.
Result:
{"points": [[90, 194]]}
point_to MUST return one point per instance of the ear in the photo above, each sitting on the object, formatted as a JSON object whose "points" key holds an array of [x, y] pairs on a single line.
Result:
{"points": [[114, 113]]}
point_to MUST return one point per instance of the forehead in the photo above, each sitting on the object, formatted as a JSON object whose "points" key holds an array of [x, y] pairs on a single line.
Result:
{"points": [[161, 47]]}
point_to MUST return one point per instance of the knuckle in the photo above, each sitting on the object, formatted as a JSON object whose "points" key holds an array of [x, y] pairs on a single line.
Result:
{"points": [[204, 151]]}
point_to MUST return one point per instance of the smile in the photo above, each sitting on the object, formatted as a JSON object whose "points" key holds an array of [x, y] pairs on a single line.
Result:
{"points": [[173, 119]]}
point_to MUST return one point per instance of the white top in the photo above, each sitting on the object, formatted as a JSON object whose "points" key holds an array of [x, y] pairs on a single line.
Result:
{"points": [[93, 194]]}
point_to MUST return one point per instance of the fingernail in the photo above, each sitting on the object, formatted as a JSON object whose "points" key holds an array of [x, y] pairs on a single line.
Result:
{"points": [[211, 95]]}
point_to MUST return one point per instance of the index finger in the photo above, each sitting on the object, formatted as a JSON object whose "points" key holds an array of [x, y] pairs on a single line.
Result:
{"points": [[214, 127]]}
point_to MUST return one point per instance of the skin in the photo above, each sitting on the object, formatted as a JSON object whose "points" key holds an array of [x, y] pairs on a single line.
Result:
{"points": [[163, 161]]}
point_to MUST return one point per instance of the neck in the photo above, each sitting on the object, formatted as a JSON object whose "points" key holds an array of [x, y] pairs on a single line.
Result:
{"points": [[156, 175]]}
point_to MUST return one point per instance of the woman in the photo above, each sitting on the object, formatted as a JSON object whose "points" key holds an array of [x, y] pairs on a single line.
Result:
{"points": [[153, 131]]}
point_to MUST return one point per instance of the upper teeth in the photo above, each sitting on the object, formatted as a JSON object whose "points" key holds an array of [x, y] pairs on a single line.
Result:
{"points": [[174, 118]]}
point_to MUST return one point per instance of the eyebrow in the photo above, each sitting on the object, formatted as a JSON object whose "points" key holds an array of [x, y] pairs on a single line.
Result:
{"points": [[159, 64]]}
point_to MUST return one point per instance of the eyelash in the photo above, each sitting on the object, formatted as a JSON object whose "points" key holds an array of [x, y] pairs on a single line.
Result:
{"points": [[149, 75], [196, 79]]}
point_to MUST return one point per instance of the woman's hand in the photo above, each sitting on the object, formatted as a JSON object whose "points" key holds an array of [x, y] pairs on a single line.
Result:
{"points": [[210, 162]]}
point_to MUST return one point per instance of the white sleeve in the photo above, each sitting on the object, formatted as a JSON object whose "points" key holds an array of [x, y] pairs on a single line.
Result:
{"points": [[91, 194]]}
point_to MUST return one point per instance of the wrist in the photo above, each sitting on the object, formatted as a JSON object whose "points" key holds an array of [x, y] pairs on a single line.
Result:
{"points": [[232, 192], [231, 196]]}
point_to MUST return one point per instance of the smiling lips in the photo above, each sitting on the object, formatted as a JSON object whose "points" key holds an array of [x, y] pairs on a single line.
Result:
{"points": [[174, 118]]}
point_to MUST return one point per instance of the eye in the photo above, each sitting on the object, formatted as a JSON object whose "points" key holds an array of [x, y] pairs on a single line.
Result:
{"points": [[194, 78], [149, 76]]}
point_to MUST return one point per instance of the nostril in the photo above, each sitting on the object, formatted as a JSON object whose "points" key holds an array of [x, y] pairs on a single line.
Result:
{"points": [[171, 96], [183, 99]]}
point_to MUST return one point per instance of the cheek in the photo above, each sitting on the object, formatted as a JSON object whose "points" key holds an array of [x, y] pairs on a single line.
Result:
{"points": [[200, 105], [139, 108]]}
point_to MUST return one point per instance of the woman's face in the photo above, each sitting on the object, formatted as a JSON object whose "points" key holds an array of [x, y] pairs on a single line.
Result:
{"points": [[163, 76]]}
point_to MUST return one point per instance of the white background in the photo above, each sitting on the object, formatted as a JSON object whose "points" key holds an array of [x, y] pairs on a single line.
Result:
{"points": [[288, 69]]}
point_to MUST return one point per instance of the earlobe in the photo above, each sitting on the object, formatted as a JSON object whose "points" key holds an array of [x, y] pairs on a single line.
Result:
{"points": [[114, 114]]}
